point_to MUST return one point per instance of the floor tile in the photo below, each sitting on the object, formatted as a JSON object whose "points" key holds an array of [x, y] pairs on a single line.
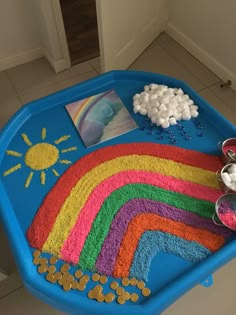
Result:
{"points": [[9, 101], [21, 302], [7, 262], [40, 73], [216, 300], [12, 283], [226, 94], [206, 76], [219, 105], [44, 90], [157, 60], [95, 62]]}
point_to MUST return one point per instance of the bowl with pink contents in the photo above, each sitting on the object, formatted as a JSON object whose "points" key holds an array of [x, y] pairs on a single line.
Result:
{"points": [[225, 212], [228, 149]]}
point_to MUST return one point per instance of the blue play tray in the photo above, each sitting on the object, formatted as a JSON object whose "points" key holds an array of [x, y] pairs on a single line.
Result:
{"points": [[170, 276]]}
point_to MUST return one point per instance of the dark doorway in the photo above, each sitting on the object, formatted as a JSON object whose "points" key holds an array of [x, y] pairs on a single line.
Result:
{"points": [[80, 20]]}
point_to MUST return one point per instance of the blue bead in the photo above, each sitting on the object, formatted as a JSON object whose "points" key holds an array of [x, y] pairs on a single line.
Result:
{"points": [[171, 137], [142, 128], [173, 141], [200, 134], [160, 138], [150, 132]]}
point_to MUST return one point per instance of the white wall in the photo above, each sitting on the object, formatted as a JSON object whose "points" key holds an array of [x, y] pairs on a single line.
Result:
{"points": [[19, 39], [127, 27], [207, 28]]}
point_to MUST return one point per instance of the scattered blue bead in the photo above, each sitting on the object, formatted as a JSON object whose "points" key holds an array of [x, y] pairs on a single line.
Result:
{"points": [[188, 138], [200, 134], [173, 141], [160, 137], [199, 127], [171, 137], [183, 133], [142, 128], [150, 132], [169, 131]]}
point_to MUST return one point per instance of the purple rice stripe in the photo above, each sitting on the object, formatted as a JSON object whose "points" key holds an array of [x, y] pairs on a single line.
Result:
{"points": [[107, 257]]}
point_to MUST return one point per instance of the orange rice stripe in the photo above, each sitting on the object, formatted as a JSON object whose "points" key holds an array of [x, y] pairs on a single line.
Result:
{"points": [[38, 232], [154, 222]]}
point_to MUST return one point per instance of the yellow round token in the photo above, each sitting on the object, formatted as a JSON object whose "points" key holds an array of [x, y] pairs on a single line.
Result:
{"points": [[52, 269], [133, 281], [120, 300], [103, 279], [65, 268], [134, 297], [58, 275], [42, 268], [67, 286], [78, 274], [53, 260], [36, 261], [91, 295], [95, 277], [74, 284], [97, 290], [114, 285], [109, 297], [50, 277], [120, 290], [81, 287], [140, 285], [126, 296], [100, 298], [146, 292], [36, 253], [61, 281], [43, 261], [125, 282]]}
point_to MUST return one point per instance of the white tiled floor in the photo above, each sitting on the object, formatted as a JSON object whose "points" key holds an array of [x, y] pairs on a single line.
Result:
{"points": [[25, 83]]}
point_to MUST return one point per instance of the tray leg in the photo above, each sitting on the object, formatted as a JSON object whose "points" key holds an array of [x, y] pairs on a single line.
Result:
{"points": [[208, 282]]}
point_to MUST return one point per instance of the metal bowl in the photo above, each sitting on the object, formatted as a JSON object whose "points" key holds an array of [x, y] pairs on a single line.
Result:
{"points": [[224, 187], [219, 217], [227, 157]]}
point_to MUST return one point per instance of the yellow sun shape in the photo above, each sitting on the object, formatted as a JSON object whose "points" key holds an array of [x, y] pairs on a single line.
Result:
{"points": [[40, 157]]}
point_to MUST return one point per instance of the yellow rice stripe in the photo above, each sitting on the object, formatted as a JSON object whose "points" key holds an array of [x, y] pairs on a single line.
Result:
{"points": [[83, 188], [69, 149], [12, 169], [61, 139], [28, 180], [64, 161], [26, 139], [55, 172], [44, 133], [14, 153], [43, 178]]}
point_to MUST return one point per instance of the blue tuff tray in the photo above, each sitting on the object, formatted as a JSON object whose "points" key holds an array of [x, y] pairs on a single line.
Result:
{"points": [[170, 277]]}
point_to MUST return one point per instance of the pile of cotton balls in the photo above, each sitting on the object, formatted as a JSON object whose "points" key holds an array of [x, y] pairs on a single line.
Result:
{"points": [[164, 105], [229, 177]]}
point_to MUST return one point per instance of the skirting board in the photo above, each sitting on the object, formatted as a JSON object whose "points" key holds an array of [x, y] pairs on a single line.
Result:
{"points": [[219, 69], [13, 61]]}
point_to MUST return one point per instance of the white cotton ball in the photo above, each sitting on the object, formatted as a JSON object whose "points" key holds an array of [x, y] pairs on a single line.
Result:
{"points": [[226, 178], [185, 97], [178, 98], [232, 169], [157, 123], [193, 107], [154, 110], [190, 102], [233, 177], [146, 88], [194, 113], [165, 124], [143, 105], [153, 97], [159, 93], [162, 107], [136, 97], [153, 119], [180, 92], [186, 116], [165, 100], [233, 186], [143, 111], [145, 98], [161, 121], [137, 109], [136, 102], [153, 86], [165, 114], [171, 90], [172, 121]]}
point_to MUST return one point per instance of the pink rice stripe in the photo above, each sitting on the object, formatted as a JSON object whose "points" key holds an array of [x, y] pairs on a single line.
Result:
{"points": [[74, 244]]}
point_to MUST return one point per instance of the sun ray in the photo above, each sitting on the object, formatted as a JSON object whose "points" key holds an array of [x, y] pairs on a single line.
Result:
{"points": [[44, 133], [55, 172], [69, 149], [65, 162], [13, 153], [61, 139], [26, 139], [28, 180], [12, 169], [43, 178]]}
